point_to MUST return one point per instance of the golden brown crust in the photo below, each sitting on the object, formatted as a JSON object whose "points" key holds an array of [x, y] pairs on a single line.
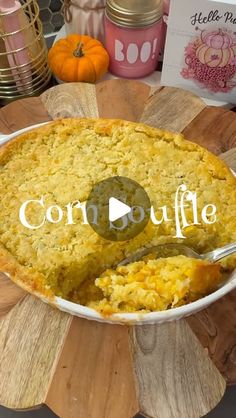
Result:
{"points": [[106, 126], [32, 282]]}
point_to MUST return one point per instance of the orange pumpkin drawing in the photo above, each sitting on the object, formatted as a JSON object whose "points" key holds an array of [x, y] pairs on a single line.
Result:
{"points": [[215, 57]]}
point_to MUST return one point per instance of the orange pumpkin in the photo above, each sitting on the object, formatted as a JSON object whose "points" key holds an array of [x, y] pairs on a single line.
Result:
{"points": [[78, 58]]}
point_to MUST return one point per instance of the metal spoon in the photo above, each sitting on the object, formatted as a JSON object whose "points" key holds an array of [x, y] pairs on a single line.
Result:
{"points": [[169, 249]]}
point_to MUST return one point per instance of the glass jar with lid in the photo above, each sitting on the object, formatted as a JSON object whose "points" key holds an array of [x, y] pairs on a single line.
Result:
{"points": [[133, 32]]}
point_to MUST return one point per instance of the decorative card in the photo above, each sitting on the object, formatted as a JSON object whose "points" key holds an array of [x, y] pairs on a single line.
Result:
{"points": [[200, 53]]}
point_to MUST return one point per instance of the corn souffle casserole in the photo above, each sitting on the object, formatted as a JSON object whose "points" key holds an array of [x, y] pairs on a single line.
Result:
{"points": [[60, 163]]}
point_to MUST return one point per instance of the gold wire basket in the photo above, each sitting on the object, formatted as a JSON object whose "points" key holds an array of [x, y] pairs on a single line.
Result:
{"points": [[24, 69]]}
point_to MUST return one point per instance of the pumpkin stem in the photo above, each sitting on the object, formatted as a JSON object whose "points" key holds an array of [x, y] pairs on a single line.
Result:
{"points": [[78, 52]]}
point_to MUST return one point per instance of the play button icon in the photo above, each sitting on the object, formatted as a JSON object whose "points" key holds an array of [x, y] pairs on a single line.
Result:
{"points": [[118, 208]]}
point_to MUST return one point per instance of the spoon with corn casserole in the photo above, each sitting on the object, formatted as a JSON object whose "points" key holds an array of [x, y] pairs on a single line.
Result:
{"points": [[159, 278]]}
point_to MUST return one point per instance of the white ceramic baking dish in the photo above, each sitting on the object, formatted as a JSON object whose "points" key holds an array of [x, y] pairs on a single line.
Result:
{"points": [[133, 318]]}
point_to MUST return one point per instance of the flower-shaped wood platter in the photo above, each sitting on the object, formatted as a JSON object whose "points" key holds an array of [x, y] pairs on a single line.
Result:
{"points": [[87, 369]]}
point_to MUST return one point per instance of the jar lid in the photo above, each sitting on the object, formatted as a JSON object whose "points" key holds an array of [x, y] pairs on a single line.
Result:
{"points": [[134, 13]]}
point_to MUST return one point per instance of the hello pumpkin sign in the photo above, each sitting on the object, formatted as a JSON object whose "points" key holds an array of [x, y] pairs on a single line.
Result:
{"points": [[202, 40], [210, 60]]}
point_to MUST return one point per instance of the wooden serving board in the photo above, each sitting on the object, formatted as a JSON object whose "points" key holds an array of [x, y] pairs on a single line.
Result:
{"points": [[86, 369]]}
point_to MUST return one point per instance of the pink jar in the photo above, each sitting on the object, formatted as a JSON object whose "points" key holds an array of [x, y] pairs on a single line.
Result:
{"points": [[133, 32]]}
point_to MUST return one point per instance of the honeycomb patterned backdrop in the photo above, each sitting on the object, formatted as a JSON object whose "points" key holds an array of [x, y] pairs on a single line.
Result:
{"points": [[51, 15]]}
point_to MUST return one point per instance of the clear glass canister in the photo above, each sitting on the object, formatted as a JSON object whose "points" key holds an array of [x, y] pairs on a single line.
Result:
{"points": [[133, 32]]}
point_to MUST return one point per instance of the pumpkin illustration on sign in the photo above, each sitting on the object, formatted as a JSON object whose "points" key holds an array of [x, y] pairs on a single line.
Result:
{"points": [[78, 58], [211, 60]]}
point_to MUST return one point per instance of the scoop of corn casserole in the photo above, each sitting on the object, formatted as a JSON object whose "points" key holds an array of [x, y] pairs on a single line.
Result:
{"points": [[155, 285]]}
